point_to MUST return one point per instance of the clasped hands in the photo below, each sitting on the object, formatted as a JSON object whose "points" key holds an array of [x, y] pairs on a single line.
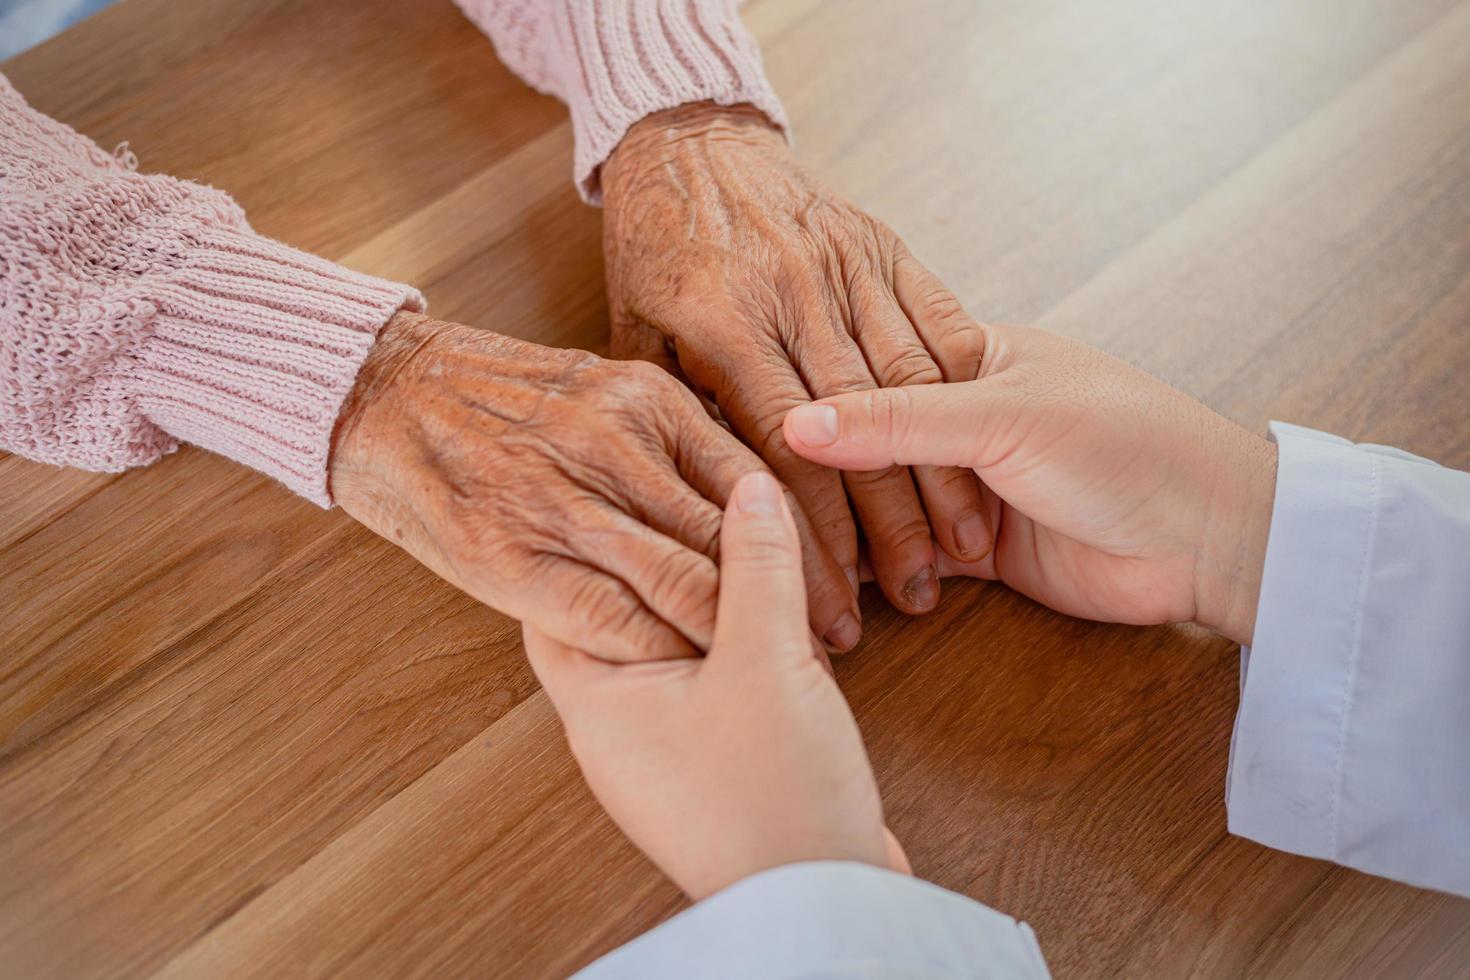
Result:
{"points": [[584, 495], [613, 509], [1114, 496]]}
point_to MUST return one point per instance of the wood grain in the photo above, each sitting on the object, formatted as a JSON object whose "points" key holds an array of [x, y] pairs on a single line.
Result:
{"points": [[240, 736]]}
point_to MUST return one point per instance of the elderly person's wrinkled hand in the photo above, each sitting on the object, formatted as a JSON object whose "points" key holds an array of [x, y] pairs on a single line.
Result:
{"points": [[580, 495], [736, 269]]}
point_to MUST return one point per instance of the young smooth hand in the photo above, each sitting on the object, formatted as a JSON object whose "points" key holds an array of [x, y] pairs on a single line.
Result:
{"points": [[578, 494], [1115, 497], [745, 760]]}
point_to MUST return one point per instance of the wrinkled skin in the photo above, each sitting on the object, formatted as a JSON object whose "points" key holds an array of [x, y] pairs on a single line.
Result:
{"points": [[580, 495], [732, 267], [745, 760]]}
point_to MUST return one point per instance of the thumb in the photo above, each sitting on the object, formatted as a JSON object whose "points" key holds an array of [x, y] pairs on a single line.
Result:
{"points": [[762, 606], [938, 424]]}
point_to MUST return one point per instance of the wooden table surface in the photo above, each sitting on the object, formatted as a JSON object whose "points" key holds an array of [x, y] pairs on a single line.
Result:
{"points": [[239, 735]]}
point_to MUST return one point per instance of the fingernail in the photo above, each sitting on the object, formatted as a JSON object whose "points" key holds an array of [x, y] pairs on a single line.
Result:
{"points": [[815, 425], [922, 591], [758, 493], [852, 579], [972, 537], [844, 634]]}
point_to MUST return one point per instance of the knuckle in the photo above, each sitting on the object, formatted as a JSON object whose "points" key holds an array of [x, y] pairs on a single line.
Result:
{"points": [[957, 338], [858, 482], [653, 640], [645, 391], [828, 596], [861, 480], [606, 608], [642, 639], [703, 531], [888, 413], [643, 377], [678, 403], [766, 436], [678, 591], [911, 366], [845, 383], [951, 481], [910, 533], [667, 576], [660, 576], [575, 365], [825, 506], [938, 305], [828, 518]]}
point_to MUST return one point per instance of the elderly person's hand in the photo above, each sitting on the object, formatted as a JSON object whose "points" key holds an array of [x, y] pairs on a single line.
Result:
{"points": [[742, 761], [580, 495], [1115, 496], [732, 266]]}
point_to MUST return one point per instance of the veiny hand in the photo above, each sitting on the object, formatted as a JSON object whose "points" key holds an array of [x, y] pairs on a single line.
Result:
{"points": [[1115, 496], [745, 760], [580, 495], [734, 268]]}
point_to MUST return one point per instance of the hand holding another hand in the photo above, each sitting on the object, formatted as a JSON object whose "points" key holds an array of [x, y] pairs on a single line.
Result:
{"points": [[1115, 496], [745, 760]]}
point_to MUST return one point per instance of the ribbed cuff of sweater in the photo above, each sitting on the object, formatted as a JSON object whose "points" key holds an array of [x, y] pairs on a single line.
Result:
{"points": [[254, 348], [627, 59]]}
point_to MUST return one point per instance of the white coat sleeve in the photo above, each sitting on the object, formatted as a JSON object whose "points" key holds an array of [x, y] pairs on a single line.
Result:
{"points": [[1352, 741], [830, 919]]}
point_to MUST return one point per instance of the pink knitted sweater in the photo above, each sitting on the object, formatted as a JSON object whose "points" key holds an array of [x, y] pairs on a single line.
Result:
{"points": [[140, 311]]}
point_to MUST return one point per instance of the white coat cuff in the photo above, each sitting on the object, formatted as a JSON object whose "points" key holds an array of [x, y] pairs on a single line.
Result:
{"points": [[830, 919], [1352, 742]]}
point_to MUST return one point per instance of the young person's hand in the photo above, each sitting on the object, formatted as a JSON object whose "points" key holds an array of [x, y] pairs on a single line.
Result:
{"points": [[742, 761], [577, 494], [735, 267], [1115, 496]]}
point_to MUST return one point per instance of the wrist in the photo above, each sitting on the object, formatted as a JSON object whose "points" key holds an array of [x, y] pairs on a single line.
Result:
{"points": [[655, 139], [359, 436], [1237, 526], [429, 391]]}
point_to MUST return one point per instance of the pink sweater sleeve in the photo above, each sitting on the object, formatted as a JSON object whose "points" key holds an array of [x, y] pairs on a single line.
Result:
{"points": [[138, 311], [615, 61]]}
